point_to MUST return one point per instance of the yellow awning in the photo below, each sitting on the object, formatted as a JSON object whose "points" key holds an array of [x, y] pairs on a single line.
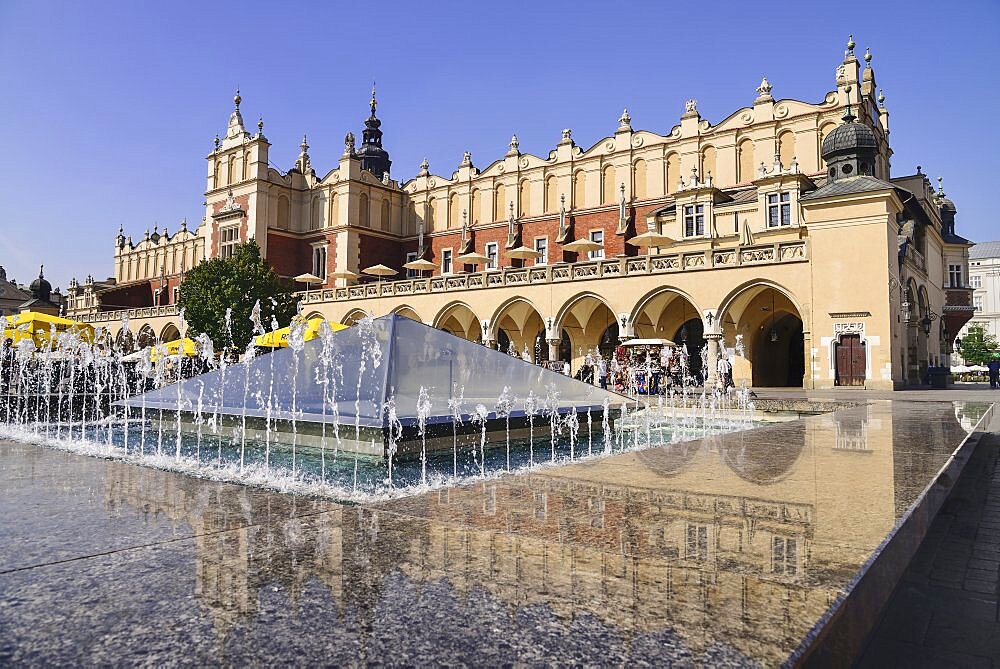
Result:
{"points": [[279, 338], [38, 327], [186, 345]]}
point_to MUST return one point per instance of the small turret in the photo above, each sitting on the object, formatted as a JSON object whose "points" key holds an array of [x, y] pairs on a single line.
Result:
{"points": [[373, 157]]}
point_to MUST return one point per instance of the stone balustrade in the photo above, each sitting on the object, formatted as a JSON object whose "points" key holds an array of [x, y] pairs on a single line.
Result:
{"points": [[716, 258]]}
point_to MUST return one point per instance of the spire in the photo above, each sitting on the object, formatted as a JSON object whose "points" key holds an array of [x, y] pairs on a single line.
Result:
{"points": [[849, 54], [373, 157], [940, 190], [236, 126]]}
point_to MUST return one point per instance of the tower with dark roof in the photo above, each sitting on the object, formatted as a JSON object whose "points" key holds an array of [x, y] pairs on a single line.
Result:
{"points": [[373, 157], [850, 148]]}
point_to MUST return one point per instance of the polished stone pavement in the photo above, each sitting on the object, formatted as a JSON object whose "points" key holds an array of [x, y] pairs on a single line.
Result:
{"points": [[945, 612], [723, 551]]}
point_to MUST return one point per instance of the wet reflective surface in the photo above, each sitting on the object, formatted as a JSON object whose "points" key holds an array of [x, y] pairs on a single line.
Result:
{"points": [[721, 551]]}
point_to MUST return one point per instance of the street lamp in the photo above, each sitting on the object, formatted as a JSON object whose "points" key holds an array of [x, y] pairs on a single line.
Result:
{"points": [[925, 323]]}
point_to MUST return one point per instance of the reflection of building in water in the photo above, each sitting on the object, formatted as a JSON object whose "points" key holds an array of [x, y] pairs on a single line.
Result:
{"points": [[730, 540]]}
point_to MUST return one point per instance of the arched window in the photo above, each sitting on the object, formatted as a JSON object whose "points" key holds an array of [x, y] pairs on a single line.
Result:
{"points": [[745, 161], [232, 169], [707, 163], [786, 148], [282, 213], [579, 189], [639, 179], [524, 198], [477, 206], [316, 214], [215, 174], [334, 215], [551, 194], [429, 216], [363, 219], [246, 165], [384, 220], [608, 184], [454, 215], [672, 168], [499, 203]]}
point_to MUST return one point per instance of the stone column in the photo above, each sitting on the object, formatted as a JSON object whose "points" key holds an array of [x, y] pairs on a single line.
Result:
{"points": [[554, 348], [809, 377], [712, 341]]}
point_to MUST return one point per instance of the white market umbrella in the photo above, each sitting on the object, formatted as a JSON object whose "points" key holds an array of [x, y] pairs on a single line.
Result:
{"points": [[523, 253], [583, 246]]}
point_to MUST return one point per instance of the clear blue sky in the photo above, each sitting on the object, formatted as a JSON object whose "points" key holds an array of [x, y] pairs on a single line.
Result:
{"points": [[108, 109]]}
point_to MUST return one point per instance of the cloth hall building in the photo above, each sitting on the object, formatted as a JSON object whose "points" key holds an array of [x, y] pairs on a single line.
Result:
{"points": [[783, 238]]}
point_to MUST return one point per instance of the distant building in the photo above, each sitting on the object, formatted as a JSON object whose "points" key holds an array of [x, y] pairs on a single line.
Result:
{"points": [[984, 279], [38, 296], [12, 296]]}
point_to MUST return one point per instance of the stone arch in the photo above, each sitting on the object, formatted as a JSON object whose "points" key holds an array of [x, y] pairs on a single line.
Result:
{"points": [[407, 311], [520, 321], [639, 179], [459, 319], [585, 318], [169, 332], [314, 314], [145, 337], [353, 316], [662, 311], [768, 319], [124, 340]]}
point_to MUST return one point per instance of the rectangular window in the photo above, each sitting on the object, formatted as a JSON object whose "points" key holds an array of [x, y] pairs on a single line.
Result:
{"points": [[784, 556], [955, 276], [977, 281], [411, 273], [977, 302], [779, 209], [597, 236], [697, 542], [694, 220], [319, 261], [542, 247], [228, 239], [446, 261], [492, 255]]}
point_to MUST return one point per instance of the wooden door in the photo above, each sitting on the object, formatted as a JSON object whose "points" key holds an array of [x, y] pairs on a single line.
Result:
{"points": [[850, 361]]}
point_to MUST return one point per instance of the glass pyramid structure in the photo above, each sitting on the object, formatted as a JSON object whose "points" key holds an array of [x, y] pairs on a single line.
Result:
{"points": [[349, 376]]}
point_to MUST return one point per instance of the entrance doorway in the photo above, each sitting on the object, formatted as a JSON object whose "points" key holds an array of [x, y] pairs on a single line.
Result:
{"points": [[850, 359]]}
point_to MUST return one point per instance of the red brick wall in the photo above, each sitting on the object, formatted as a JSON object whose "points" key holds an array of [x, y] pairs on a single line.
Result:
{"points": [[373, 250]]}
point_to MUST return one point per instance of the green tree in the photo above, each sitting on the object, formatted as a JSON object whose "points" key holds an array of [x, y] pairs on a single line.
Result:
{"points": [[977, 347], [236, 283]]}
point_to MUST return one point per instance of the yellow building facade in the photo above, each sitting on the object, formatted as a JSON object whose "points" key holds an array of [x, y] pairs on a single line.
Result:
{"points": [[789, 242]]}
